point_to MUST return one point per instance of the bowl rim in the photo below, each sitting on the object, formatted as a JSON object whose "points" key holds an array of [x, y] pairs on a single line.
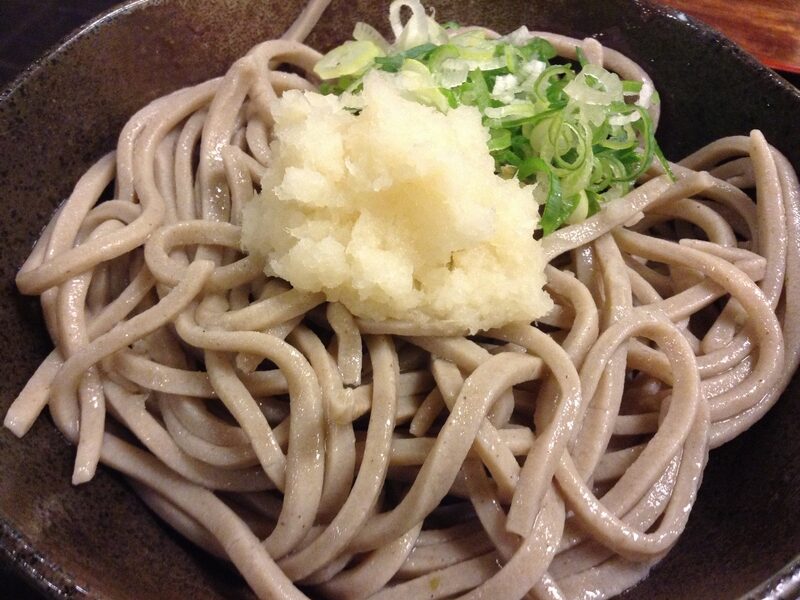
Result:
{"points": [[44, 575]]}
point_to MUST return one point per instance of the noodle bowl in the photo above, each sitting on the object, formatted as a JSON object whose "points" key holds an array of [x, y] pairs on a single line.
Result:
{"points": [[635, 380]]}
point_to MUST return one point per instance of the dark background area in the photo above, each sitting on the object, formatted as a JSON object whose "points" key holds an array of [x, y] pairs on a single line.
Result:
{"points": [[28, 28]]}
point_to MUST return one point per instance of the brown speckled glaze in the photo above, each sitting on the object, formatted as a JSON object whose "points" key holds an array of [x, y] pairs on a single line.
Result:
{"points": [[98, 540]]}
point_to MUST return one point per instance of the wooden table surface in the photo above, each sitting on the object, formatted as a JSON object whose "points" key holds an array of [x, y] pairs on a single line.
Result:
{"points": [[767, 29]]}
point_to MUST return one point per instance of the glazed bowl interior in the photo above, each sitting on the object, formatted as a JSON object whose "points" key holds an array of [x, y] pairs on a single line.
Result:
{"points": [[66, 111]]}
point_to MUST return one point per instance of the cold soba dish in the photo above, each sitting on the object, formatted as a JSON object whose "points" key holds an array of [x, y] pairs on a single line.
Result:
{"points": [[435, 319]]}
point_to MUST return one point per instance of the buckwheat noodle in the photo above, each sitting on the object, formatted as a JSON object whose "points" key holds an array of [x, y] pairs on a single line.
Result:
{"points": [[349, 459]]}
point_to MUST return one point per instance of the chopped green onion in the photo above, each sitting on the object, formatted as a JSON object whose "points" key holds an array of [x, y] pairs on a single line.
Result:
{"points": [[394, 63], [631, 87], [663, 161], [582, 60], [556, 208], [539, 49], [475, 92], [419, 52], [348, 59], [594, 199], [555, 77], [390, 64], [569, 128], [500, 139], [452, 100], [367, 33], [441, 54]]}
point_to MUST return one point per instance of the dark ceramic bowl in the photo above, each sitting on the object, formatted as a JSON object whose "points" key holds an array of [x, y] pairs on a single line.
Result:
{"points": [[99, 540]]}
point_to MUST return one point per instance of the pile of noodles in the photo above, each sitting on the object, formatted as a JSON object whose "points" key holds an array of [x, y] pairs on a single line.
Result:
{"points": [[352, 459]]}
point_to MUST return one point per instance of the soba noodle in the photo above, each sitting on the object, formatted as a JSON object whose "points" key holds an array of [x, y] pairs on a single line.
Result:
{"points": [[349, 459]]}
